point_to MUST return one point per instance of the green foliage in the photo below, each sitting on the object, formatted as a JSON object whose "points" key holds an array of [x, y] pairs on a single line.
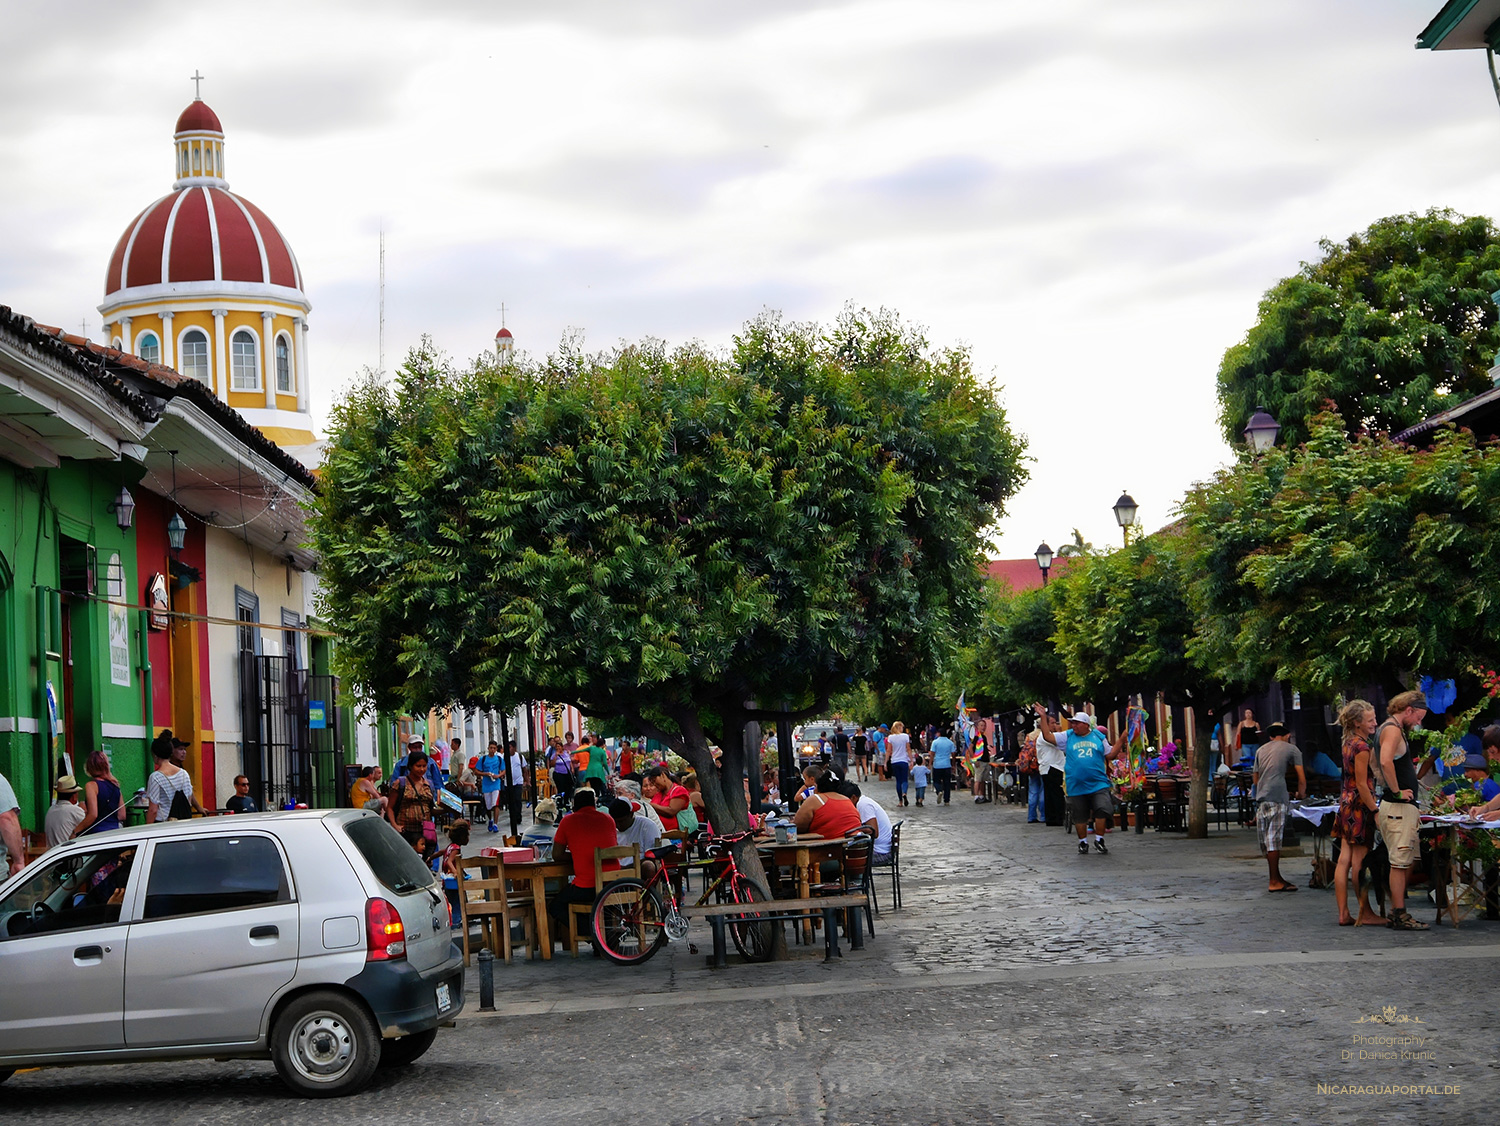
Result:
{"points": [[1391, 326], [1350, 562], [1123, 621], [1012, 661], [663, 535]]}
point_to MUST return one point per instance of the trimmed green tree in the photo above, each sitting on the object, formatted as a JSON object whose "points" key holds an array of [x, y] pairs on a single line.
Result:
{"points": [[1390, 326], [686, 539]]}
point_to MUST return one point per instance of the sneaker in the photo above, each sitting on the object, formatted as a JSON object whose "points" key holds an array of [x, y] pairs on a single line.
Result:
{"points": [[1083, 848], [494, 828], [1100, 847]]}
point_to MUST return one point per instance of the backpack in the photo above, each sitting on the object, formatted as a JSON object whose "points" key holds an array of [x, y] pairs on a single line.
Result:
{"points": [[181, 809], [1026, 761]]}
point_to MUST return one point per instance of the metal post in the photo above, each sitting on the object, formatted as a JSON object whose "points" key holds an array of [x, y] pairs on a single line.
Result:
{"points": [[831, 934], [486, 981], [786, 758]]}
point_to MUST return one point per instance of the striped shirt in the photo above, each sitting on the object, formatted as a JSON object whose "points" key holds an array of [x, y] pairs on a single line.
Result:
{"points": [[160, 789]]}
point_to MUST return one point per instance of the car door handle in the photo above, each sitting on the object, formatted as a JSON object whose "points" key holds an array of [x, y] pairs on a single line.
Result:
{"points": [[265, 932], [89, 954]]}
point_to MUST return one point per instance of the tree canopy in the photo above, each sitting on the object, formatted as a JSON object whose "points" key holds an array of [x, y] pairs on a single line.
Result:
{"points": [[1352, 562], [685, 538], [1390, 325]]}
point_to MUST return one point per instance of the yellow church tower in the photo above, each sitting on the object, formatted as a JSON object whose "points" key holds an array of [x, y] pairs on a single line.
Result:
{"points": [[203, 282]]}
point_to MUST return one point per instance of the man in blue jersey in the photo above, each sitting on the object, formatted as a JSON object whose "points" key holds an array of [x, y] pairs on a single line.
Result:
{"points": [[1085, 772]]}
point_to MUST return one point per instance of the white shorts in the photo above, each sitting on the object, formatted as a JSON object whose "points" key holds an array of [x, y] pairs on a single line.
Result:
{"points": [[492, 799]]}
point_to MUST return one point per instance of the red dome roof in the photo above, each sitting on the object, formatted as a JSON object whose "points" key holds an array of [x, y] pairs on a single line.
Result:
{"points": [[198, 118], [201, 235], [503, 334]]}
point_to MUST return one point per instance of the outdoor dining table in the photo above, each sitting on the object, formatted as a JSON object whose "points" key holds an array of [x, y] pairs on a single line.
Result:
{"points": [[801, 856], [538, 872], [1451, 878]]}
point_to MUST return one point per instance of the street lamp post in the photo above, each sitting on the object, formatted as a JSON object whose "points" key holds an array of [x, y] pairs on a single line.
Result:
{"points": [[1044, 560], [1261, 430], [1125, 513]]}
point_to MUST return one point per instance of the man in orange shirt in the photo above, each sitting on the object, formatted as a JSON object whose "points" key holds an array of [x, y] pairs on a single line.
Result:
{"points": [[579, 835]]}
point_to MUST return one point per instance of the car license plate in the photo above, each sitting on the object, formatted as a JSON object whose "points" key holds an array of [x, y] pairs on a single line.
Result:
{"points": [[444, 999]]}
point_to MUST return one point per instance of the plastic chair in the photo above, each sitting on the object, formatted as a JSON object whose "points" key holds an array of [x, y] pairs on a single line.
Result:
{"points": [[601, 878]]}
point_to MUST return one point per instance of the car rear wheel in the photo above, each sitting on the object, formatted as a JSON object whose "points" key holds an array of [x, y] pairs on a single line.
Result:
{"points": [[6, 1073], [325, 1044], [403, 1050]]}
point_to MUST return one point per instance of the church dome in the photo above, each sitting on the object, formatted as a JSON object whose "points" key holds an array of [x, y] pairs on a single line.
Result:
{"points": [[201, 281], [201, 234]]}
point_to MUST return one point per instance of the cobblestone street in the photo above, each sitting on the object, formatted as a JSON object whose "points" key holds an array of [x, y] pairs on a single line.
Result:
{"points": [[1022, 982]]}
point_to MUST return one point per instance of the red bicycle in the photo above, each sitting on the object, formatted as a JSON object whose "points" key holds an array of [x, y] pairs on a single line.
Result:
{"points": [[634, 918]]}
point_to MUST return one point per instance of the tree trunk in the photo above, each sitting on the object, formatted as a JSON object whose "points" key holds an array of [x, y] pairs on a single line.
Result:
{"points": [[1203, 726]]}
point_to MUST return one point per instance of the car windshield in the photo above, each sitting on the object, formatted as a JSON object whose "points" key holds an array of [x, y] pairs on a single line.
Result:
{"points": [[82, 889], [395, 863]]}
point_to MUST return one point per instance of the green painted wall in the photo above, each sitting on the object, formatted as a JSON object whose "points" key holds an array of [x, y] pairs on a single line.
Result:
{"points": [[46, 515]]}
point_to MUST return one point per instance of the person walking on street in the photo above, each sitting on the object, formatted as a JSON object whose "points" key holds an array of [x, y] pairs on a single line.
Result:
{"points": [[514, 793], [1396, 817], [491, 771], [1085, 764], [1271, 796], [562, 771], [859, 744], [942, 750], [898, 759], [841, 751]]}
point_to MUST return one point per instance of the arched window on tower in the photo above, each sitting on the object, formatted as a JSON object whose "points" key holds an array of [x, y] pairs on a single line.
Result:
{"points": [[283, 364], [193, 358], [244, 367], [148, 347]]}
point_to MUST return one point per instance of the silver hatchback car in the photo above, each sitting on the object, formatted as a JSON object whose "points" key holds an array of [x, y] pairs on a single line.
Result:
{"points": [[317, 939]]}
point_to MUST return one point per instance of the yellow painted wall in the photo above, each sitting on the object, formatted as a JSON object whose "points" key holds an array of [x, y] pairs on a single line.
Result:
{"points": [[230, 562]]}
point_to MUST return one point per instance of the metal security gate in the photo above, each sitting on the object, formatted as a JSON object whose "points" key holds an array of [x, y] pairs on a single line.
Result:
{"points": [[287, 759]]}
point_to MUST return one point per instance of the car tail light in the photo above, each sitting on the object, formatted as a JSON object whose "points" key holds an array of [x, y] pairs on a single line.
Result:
{"points": [[383, 928]]}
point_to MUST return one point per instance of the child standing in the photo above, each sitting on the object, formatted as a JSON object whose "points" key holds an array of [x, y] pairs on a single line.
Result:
{"points": [[920, 776], [450, 870]]}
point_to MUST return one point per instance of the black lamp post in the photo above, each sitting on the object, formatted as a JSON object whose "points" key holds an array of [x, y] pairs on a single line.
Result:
{"points": [[1044, 560], [1261, 430], [1125, 510]]}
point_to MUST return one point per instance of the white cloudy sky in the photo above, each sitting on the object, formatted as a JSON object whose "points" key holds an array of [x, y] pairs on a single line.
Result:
{"points": [[1093, 194]]}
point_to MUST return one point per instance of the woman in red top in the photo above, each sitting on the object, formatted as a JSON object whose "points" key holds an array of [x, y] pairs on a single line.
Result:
{"points": [[827, 813], [666, 796]]}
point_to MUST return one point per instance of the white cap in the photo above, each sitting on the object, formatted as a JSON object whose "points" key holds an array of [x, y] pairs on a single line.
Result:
{"points": [[1082, 717]]}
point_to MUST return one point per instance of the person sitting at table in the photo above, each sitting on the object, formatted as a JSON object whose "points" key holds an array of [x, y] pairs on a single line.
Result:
{"points": [[579, 835], [877, 822], [636, 829], [695, 799], [1477, 771], [828, 813], [667, 797]]}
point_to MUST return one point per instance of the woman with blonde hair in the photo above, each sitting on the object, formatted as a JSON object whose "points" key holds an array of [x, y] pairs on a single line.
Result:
{"points": [[898, 759], [1355, 823]]}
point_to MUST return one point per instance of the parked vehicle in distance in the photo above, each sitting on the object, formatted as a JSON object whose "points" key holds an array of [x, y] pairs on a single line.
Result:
{"points": [[805, 737], [317, 939]]}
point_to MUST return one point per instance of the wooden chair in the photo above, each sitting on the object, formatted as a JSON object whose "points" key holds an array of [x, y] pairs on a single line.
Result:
{"points": [[855, 874], [497, 904], [601, 877]]}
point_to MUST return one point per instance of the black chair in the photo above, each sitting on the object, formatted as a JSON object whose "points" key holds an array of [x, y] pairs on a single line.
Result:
{"points": [[854, 874], [891, 863]]}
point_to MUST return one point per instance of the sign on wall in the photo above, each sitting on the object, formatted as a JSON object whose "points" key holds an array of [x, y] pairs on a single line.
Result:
{"points": [[156, 598], [119, 631], [317, 715]]}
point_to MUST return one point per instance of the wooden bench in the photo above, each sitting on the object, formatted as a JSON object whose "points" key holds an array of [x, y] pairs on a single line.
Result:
{"points": [[780, 910]]}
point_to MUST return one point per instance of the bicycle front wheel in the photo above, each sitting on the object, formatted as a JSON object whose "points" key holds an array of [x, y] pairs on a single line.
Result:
{"points": [[628, 922], [754, 935]]}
